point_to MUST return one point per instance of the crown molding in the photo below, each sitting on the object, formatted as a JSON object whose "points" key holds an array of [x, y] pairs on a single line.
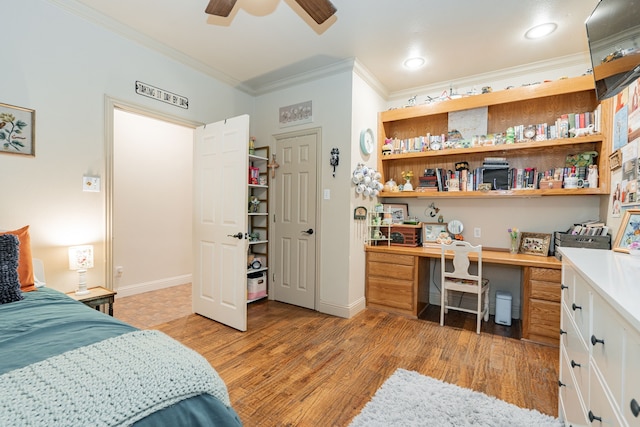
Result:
{"points": [[129, 33]]}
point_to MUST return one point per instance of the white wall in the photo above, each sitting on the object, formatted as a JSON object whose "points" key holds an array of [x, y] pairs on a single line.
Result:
{"points": [[63, 66], [152, 198], [366, 105], [331, 101]]}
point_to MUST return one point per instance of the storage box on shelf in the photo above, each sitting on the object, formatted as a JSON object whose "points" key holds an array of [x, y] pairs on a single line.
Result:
{"points": [[542, 103], [579, 241], [403, 234]]}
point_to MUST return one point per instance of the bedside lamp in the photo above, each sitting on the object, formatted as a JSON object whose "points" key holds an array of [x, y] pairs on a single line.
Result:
{"points": [[81, 258]]}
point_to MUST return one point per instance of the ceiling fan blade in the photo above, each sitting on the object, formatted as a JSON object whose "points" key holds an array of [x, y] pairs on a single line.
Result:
{"points": [[319, 10], [220, 7]]}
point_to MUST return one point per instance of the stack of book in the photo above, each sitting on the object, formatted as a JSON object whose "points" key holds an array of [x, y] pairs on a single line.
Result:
{"points": [[429, 181], [589, 228]]}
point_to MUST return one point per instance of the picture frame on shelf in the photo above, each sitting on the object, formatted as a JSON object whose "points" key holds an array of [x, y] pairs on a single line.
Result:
{"points": [[628, 232], [535, 243], [17, 133], [399, 211], [431, 231]]}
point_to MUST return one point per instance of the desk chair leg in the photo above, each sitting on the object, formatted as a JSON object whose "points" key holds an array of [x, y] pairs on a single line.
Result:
{"points": [[486, 304]]}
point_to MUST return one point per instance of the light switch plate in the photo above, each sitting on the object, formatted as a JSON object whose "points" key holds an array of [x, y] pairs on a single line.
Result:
{"points": [[91, 183]]}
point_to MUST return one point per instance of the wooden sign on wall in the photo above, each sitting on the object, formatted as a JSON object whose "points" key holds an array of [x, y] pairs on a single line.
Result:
{"points": [[162, 95]]}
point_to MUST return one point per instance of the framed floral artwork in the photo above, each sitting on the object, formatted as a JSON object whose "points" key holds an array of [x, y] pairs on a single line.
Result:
{"points": [[629, 231], [17, 130], [535, 243]]}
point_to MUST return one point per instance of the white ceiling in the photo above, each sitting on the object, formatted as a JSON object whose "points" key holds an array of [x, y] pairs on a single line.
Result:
{"points": [[264, 42]]}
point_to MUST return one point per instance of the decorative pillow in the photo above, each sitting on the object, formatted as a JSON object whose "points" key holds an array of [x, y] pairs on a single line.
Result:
{"points": [[25, 263], [9, 284]]}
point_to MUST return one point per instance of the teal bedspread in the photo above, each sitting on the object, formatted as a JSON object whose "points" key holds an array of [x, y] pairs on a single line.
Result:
{"points": [[47, 323]]}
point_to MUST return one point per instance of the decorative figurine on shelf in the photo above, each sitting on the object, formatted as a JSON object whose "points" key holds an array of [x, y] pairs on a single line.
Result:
{"points": [[407, 177], [387, 147], [254, 203], [252, 145], [592, 178]]}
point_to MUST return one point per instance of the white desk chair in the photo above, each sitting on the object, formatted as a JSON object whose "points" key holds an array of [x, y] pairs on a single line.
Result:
{"points": [[459, 279]]}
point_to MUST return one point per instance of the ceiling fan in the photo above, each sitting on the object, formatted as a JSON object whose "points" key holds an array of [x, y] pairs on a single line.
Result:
{"points": [[319, 10]]}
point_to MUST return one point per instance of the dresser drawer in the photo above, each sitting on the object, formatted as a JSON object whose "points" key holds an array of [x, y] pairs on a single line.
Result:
{"points": [[571, 404], [631, 373], [599, 405], [580, 307], [390, 292], [568, 284], [608, 326], [576, 350]]}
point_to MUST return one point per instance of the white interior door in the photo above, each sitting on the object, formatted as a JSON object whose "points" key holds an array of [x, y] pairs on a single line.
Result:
{"points": [[294, 281], [220, 221]]}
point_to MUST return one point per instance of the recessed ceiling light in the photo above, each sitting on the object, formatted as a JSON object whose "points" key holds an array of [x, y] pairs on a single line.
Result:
{"points": [[414, 63], [541, 30]]}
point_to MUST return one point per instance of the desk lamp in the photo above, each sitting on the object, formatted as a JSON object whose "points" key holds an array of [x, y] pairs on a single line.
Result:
{"points": [[81, 258]]}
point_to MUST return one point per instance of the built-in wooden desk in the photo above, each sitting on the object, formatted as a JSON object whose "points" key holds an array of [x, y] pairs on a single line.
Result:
{"points": [[397, 279]]}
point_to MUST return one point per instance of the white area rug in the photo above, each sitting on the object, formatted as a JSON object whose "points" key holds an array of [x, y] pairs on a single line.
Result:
{"points": [[410, 399]]}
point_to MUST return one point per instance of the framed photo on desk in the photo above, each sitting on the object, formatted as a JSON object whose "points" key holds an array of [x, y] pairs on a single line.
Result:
{"points": [[430, 232], [535, 244], [399, 211]]}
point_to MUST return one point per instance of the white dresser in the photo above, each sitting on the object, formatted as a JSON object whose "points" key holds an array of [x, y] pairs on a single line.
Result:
{"points": [[600, 338]]}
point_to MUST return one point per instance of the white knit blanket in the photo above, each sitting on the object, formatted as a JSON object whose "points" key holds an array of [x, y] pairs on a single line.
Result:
{"points": [[114, 382]]}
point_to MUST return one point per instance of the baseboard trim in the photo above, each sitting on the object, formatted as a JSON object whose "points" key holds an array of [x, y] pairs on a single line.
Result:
{"points": [[138, 288], [342, 311]]}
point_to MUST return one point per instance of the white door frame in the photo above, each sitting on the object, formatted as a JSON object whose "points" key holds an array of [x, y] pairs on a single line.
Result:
{"points": [[110, 105], [318, 228]]}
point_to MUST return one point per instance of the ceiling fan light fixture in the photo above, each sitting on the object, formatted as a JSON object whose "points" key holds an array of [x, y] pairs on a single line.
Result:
{"points": [[541, 30], [414, 63]]}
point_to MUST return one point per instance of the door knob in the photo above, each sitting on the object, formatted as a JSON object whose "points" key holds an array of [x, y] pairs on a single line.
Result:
{"points": [[238, 235], [309, 231]]}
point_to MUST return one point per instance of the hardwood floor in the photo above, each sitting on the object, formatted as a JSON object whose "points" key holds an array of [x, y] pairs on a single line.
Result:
{"points": [[298, 367]]}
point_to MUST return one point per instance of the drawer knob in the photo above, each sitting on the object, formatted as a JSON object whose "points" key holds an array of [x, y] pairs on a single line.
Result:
{"points": [[593, 418], [561, 384], [562, 331], [576, 307], [635, 408], [595, 340], [563, 287]]}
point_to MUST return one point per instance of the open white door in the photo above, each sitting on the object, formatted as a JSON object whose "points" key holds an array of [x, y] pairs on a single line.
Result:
{"points": [[220, 221]]}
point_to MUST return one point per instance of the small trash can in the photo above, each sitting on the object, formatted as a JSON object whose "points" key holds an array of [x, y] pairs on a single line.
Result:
{"points": [[503, 308]]}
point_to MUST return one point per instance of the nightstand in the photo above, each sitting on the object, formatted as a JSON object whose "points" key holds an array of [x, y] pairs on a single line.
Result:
{"points": [[96, 297]]}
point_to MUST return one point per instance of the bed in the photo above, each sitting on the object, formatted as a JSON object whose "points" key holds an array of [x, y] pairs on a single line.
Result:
{"points": [[63, 363]]}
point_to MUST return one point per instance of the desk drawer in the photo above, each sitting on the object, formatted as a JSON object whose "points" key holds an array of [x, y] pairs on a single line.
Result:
{"points": [[388, 258], [544, 320], [395, 271], [390, 293], [545, 274], [547, 291]]}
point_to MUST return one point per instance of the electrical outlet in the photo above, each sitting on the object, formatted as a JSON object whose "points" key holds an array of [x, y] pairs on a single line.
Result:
{"points": [[477, 232], [119, 271]]}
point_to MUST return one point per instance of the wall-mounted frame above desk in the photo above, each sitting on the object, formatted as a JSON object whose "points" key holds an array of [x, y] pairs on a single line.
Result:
{"points": [[397, 281]]}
